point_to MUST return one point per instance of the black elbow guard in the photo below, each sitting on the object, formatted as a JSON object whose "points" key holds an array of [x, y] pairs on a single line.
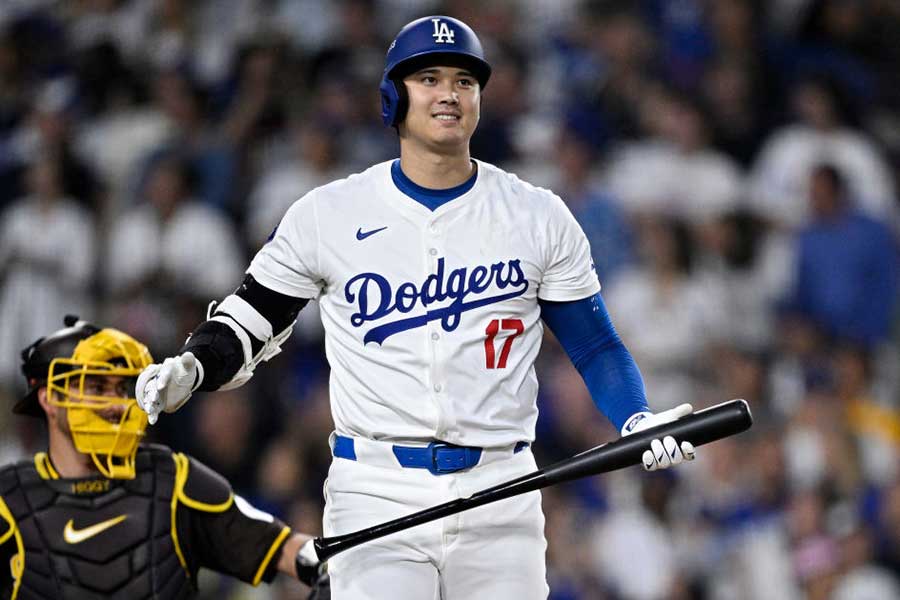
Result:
{"points": [[219, 350]]}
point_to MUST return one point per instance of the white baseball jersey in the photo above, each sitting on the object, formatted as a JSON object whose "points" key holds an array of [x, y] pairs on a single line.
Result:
{"points": [[431, 318]]}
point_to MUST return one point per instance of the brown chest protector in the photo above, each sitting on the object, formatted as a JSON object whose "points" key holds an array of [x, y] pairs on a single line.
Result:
{"points": [[97, 538]]}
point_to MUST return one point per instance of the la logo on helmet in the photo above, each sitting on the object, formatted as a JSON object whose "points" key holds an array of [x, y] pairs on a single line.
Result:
{"points": [[442, 32]]}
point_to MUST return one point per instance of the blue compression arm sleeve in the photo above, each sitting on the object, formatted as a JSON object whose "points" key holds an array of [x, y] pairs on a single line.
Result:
{"points": [[584, 329]]}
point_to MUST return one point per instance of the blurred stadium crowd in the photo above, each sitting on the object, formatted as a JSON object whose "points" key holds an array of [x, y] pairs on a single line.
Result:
{"points": [[734, 163]]}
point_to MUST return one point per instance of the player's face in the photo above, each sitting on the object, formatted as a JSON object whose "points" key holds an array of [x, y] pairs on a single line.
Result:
{"points": [[93, 391], [444, 108]]}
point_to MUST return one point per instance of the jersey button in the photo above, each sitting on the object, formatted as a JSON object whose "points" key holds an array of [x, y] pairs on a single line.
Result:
{"points": [[438, 387], [433, 251], [435, 335]]}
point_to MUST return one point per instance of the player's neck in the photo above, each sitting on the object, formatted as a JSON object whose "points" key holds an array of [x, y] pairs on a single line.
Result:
{"points": [[67, 460], [436, 171]]}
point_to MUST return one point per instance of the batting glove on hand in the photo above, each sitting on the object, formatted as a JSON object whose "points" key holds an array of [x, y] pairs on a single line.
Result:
{"points": [[666, 452], [167, 386], [313, 572]]}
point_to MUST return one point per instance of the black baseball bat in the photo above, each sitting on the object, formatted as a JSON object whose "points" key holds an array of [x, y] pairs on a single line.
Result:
{"points": [[701, 427]]}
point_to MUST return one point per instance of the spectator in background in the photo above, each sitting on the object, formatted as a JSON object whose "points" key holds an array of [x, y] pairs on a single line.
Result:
{"points": [[732, 91], [665, 316], [675, 171], [871, 414], [887, 527], [212, 154], [859, 578], [600, 214], [120, 125], [502, 110], [48, 132], [47, 258], [819, 133], [311, 159], [733, 255], [612, 65], [636, 530], [847, 264], [357, 53], [168, 250], [13, 86]]}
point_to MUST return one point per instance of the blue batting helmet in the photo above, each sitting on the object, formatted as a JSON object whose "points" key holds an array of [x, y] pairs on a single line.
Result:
{"points": [[424, 42]]}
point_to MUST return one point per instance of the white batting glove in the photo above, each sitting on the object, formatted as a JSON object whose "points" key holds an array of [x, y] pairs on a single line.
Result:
{"points": [[167, 386], [666, 452]]}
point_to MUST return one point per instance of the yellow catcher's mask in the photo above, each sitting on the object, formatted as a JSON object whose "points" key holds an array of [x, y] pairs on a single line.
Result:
{"points": [[96, 387]]}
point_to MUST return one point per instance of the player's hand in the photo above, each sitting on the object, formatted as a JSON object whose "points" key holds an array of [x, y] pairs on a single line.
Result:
{"points": [[321, 589], [310, 570], [668, 451], [167, 386]]}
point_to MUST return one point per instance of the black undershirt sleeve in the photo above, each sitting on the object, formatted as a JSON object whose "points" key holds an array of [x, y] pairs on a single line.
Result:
{"points": [[218, 348], [228, 541], [233, 543]]}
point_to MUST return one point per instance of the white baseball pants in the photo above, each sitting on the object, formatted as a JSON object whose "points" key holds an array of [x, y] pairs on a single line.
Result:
{"points": [[494, 551]]}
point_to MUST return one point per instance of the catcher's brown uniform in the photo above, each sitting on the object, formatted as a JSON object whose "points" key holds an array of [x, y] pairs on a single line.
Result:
{"points": [[134, 539]]}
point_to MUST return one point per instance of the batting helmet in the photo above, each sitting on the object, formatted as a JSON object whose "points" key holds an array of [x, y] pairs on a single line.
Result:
{"points": [[423, 42]]}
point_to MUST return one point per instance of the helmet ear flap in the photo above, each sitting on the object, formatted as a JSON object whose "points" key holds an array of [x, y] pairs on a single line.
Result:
{"points": [[394, 101]]}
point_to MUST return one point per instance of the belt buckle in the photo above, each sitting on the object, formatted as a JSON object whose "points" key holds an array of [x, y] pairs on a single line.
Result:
{"points": [[433, 467]]}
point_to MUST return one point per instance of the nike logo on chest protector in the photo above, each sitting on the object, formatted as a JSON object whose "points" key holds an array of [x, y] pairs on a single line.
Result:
{"points": [[76, 536]]}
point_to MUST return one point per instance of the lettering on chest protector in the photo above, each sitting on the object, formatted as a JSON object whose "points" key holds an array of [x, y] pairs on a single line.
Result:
{"points": [[467, 288]]}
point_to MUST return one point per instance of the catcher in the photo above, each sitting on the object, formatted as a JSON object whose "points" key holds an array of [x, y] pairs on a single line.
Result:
{"points": [[99, 515]]}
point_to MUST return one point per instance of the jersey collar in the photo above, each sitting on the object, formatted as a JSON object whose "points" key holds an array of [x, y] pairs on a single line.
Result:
{"points": [[427, 197]]}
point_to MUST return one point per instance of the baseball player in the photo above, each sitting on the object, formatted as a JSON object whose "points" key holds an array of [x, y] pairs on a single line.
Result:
{"points": [[100, 516], [434, 273]]}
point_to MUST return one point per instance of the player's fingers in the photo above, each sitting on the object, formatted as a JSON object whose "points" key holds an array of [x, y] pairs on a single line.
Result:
{"points": [[687, 449], [143, 379], [149, 402], [165, 373], [682, 410], [659, 454], [649, 462], [673, 414], [673, 452], [188, 361]]}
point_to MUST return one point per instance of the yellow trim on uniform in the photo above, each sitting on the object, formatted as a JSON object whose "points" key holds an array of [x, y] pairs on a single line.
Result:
{"points": [[265, 563], [196, 504], [44, 466], [7, 516], [181, 469], [17, 564]]}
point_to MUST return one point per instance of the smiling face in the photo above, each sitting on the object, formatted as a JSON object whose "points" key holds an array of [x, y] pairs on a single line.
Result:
{"points": [[444, 108]]}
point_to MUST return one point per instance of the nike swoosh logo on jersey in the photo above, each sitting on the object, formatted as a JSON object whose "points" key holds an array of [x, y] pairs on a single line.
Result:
{"points": [[361, 235], [76, 536]]}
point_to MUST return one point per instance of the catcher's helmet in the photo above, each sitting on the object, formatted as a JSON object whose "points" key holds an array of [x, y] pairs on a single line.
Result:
{"points": [[423, 42], [90, 372], [37, 357]]}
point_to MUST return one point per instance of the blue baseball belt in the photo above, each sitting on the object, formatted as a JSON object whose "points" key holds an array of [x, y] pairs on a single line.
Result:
{"points": [[439, 458]]}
